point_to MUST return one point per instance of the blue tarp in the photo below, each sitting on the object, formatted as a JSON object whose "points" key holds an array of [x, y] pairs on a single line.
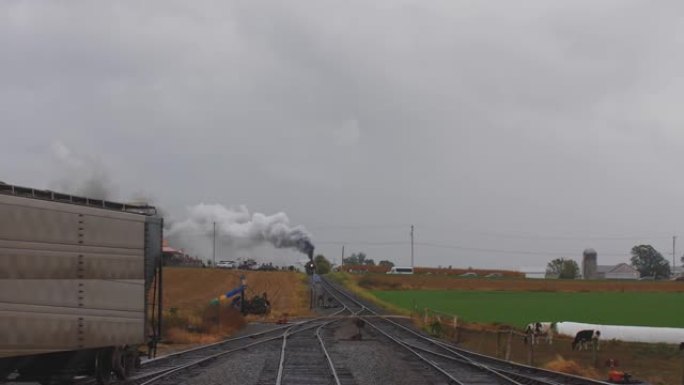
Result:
{"points": [[237, 290]]}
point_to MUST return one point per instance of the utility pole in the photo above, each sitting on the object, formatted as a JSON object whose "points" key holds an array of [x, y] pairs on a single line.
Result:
{"points": [[342, 261], [674, 242], [213, 248], [412, 246]]}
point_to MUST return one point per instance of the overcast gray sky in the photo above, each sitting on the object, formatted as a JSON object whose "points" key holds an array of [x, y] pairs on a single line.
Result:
{"points": [[517, 131]]}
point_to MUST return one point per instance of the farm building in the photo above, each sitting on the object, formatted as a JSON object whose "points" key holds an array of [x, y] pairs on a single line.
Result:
{"points": [[177, 257], [619, 271], [591, 270]]}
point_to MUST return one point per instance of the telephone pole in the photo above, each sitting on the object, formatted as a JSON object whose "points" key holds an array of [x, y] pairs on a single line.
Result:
{"points": [[213, 246], [674, 242], [412, 246], [342, 261]]}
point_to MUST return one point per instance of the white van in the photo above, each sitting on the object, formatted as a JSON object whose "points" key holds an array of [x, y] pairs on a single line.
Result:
{"points": [[400, 270]]}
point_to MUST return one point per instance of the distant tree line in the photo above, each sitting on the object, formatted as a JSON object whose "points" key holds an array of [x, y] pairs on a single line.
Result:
{"points": [[645, 258], [563, 268], [361, 259], [323, 266], [650, 262], [358, 259]]}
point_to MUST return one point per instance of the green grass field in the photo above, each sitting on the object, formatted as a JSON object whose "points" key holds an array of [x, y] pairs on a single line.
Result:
{"points": [[521, 308]]}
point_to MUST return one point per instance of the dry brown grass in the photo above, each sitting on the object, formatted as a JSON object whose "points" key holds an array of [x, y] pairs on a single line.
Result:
{"points": [[190, 319], [180, 336], [191, 289], [657, 364], [560, 364]]}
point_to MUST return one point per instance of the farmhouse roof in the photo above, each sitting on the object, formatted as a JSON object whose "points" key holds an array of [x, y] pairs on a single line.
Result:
{"points": [[619, 268], [623, 268], [171, 250]]}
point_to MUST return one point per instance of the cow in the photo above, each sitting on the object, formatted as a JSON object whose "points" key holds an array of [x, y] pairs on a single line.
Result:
{"points": [[537, 330], [585, 337]]}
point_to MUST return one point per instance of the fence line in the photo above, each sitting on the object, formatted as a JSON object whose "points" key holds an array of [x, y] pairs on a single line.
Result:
{"points": [[450, 326]]}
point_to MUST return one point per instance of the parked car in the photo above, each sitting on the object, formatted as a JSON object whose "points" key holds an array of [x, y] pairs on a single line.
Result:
{"points": [[249, 264], [226, 264]]}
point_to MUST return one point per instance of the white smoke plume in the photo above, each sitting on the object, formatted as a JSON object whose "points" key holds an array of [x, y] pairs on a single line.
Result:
{"points": [[81, 175], [237, 228]]}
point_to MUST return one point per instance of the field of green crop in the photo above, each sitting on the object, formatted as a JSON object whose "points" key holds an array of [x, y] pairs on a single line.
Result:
{"points": [[521, 308]]}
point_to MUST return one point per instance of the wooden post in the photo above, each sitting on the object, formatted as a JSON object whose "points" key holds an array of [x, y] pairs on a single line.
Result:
{"points": [[530, 354], [508, 345], [218, 317], [498, 344], [681, 350], [456, 328]]}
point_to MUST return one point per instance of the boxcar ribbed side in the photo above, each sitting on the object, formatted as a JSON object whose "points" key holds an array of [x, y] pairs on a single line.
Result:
{"points": [[73, 278]]}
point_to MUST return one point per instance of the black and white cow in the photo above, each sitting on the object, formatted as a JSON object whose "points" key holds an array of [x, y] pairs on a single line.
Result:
{"points": [[584, 338], [538, 330]]}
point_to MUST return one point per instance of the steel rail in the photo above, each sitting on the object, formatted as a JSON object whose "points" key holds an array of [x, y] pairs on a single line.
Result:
{"points": [[435, 366], [505, 363], [176, 369], [212, 345], [462, 357], [325, 350], [331, 365], [327, 355], [529, 380], [147, 368], [462, 354]]}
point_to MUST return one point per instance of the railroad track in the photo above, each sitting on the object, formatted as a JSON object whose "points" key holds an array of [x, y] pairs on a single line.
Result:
{"points": [[172, 370], [304, 358], [158, 369], [459, 366]]}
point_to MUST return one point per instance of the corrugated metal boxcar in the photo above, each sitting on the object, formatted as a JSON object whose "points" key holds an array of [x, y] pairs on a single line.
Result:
{"points": [[75, 285]]}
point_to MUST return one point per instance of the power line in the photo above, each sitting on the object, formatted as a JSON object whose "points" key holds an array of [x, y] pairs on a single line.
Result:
{"points": [[362, 243], [466, 248], [573, 238], [499, 235], [503, 251], [356, 227]]}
